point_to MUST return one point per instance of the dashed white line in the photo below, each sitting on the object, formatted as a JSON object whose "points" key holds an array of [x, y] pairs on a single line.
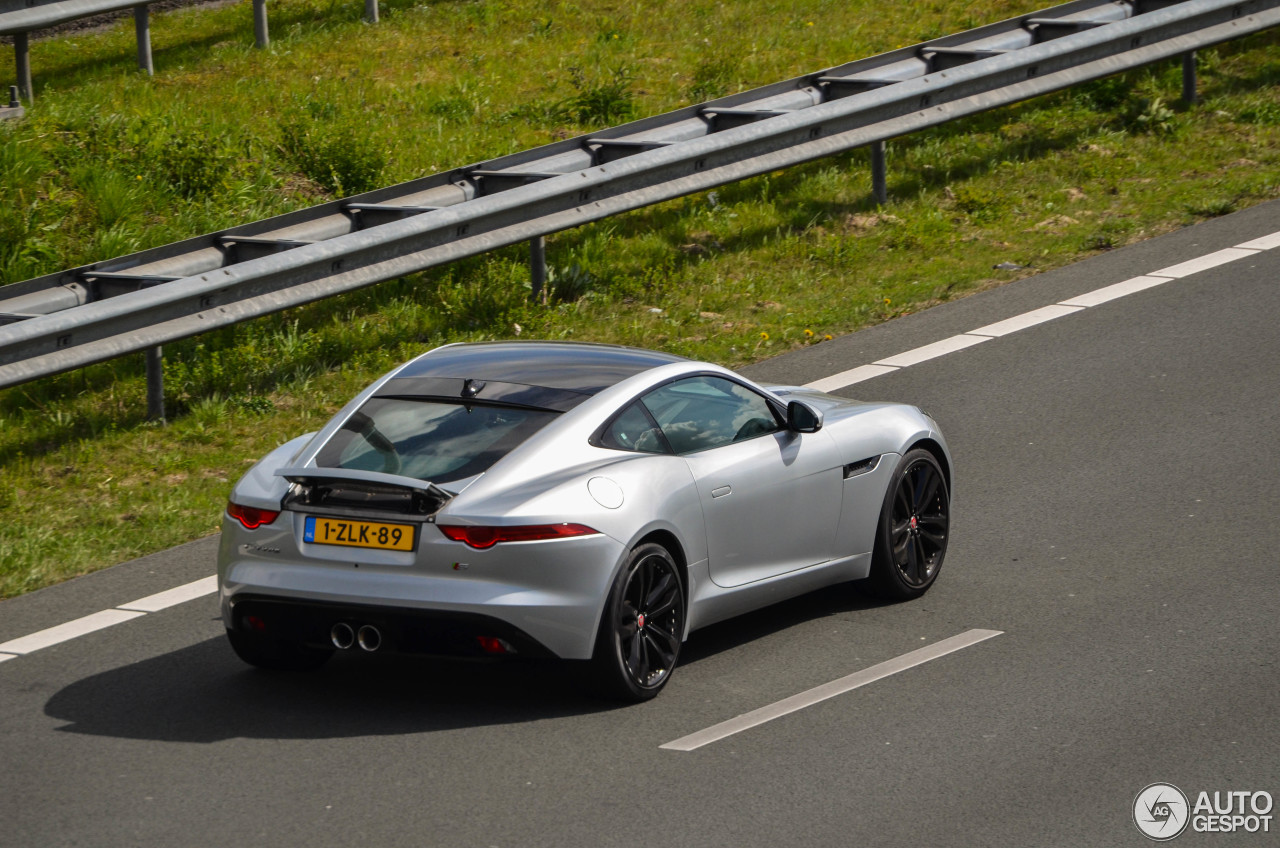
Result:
{"points": [[70, 630], [1265, 243], [848, 378], [173, 597], [108, 618], [1025, 320], [1112, 292], [786, 706], [1203, 263], [932, 351], [1046, 313], [208, 585]]}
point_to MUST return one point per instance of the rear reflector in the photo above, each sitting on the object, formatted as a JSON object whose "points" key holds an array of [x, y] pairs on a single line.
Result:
{"points": [[487, 537], [250, 516], [494, 645]]}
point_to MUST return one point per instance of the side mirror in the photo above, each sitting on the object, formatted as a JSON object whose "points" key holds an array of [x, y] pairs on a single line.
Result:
{"points": [[802, 418]]}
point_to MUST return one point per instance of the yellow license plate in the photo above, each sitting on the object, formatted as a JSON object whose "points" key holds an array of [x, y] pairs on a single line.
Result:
{"points": [[358, 534]]}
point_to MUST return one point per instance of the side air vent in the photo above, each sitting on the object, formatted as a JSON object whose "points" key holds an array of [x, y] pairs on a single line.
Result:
{"points": [[862, 466]]}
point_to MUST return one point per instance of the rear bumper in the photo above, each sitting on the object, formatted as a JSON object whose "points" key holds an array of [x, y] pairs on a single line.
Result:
{"points": [[402, 630], [545, 595]]}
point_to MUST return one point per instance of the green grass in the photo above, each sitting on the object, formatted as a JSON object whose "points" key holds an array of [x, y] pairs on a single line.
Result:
{"points": [[225, 134]]}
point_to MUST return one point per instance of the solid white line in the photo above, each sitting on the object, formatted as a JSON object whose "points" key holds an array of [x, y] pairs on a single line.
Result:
{"points": [[1118, 290], [4, 657], [1025, 320], [931, 351], [746, 721], [848, 378], [173, 597], [1264, 243], [1203, 263], [70, 630]]}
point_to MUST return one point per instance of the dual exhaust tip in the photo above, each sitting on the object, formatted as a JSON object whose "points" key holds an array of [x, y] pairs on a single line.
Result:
{"points": [[344, 637]]}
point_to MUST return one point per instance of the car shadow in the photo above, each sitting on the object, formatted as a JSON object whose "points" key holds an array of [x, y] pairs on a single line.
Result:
{"points": [[735, 632], [203, 693]]}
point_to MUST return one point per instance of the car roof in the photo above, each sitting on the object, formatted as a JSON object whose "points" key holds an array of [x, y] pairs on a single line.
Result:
{"points": [[572, 366], [546, 375]]}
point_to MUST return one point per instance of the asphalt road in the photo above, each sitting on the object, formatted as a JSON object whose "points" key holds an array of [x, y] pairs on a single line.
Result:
{"points": [[1114, 516]]}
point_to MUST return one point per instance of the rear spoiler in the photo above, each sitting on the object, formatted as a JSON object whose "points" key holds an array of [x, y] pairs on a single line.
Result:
{"points": [[310, 476]]}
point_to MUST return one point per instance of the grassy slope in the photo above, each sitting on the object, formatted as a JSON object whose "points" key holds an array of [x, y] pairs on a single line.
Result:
{"points": [[225, 134]]}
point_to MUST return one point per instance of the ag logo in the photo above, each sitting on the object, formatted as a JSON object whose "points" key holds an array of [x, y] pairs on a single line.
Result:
{"points": [[1161, 811]]}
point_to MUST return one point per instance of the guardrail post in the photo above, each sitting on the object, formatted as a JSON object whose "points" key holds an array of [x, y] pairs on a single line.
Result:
{"points": [[22, 56], [260, 36], [371, 11], [142, 28], [879, 174], [155, 384], [537, 268], [13, 111], [1189, 78]]}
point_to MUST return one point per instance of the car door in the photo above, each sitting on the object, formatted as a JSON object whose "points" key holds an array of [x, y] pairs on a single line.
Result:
{"points": [[770, 497]]}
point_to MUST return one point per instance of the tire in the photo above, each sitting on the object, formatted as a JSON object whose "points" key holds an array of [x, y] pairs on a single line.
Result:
{"points": [[641, 630], [276, 654], [911, 537]]}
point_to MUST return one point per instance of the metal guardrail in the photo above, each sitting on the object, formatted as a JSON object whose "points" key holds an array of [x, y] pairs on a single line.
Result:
{"points": [[100, 311], [20, 17]]}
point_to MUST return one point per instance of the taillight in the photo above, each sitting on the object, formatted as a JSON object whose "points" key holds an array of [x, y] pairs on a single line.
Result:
{"points": [[487, 537], [250, 517]]}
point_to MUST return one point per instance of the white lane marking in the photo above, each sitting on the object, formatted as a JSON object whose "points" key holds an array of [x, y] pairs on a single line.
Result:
{"points": [[108, 618], [1203, 263], [173, 597], [931, 351], [70, 630], [786, 706], [1047, 313], [1025, 320], [848, 378], [1103, 295], [1264, 243]]}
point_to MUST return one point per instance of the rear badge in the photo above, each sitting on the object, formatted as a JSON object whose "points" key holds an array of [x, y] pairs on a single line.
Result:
{"points": [[459, 566]]}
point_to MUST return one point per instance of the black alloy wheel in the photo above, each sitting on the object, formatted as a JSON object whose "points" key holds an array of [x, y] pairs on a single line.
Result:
{"points": [[914, 527], [642, 627]]}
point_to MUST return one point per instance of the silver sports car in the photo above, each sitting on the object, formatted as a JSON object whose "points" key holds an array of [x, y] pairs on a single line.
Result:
{"points": [[573, 501]]}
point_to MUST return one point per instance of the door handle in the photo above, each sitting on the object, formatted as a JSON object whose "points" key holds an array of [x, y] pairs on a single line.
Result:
{"points": [[721, 492]]}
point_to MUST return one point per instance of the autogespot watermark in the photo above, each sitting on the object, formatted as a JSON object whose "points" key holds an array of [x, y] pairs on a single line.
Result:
{"points": [[1162, 811]]}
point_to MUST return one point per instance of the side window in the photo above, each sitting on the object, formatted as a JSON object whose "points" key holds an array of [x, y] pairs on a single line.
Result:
{"points": [[634, 430], [705, 412]]}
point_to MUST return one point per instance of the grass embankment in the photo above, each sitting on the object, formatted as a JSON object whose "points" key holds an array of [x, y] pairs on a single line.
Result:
{"points": [[225, 134]]}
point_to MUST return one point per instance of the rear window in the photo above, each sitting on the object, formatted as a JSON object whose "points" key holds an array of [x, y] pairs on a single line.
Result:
{"points": [[429, 440]]}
